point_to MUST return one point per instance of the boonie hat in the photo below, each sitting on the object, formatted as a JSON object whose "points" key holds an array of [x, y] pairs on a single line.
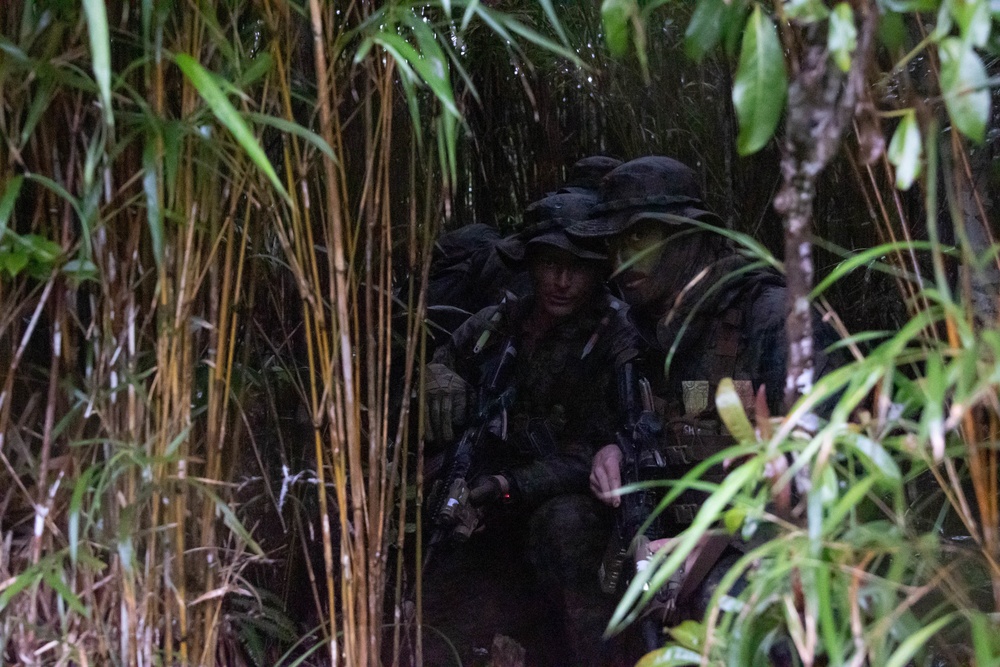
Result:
{"points": [[548, 219], [653, 184]]}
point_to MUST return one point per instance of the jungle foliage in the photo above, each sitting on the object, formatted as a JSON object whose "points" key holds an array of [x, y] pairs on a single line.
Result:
{"points": [[216, 226]]}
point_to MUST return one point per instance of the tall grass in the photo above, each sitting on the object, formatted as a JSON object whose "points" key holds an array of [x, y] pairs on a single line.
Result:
{"points": [[207, 216]]}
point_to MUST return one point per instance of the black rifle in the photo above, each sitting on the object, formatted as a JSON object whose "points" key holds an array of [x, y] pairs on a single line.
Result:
{"points": [[449, 511], [642, 461]]}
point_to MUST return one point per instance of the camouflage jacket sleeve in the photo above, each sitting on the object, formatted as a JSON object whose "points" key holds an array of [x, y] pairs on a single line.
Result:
{"points": [[592, 419]]}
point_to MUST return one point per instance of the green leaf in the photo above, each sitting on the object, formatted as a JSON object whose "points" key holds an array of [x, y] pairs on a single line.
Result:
{"points": [[27, 578], [965, 87], [553, 17], [906, 151], [227, 114], [806, 11], [731, 411], [892, 32], [842, 39], [909, 647], [56, 583], [733, 519], [908, 6], [100, 53], [7, 201], [76, 503], [616, 16], [13, 261], [973, 19], [432, 71], [151, 188], [761, 83], [670, 656], [296, 129], [705, 29]]}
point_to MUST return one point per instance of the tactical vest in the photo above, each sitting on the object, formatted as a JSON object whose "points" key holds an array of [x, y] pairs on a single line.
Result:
{"points": [[693, 431]]}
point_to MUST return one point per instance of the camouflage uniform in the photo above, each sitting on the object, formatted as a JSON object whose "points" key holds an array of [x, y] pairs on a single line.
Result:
{"points": [[565, 407], [720, 318], [531, 573]]}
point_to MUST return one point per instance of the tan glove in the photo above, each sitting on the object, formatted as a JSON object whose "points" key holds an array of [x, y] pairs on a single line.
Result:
{"points": [[450, 400]]}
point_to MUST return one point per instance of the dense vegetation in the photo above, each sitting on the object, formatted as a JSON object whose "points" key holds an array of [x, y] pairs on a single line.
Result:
{"points": [[216, 223]]}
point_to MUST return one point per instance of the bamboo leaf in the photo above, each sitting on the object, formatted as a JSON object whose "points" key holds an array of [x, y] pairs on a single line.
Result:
{"points": [[432, 71], [76, 503], [227, 114], [550, 14], [7, 201], [151, 188], [705, 28], [11, 588], [909, 647], [965, 88], [761, 83], [56, 583], [100, 53], [296, 129]]}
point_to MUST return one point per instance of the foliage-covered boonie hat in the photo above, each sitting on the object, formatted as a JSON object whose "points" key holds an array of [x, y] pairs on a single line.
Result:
{"points": [[547, 220], [653, 184]]}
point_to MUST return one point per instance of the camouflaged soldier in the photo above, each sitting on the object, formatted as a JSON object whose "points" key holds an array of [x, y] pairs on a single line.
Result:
{"points": [[690, 292], [532, 496]]}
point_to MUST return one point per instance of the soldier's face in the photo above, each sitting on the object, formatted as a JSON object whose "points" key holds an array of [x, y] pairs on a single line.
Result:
{"points": [[562, 281], [636, 256]]}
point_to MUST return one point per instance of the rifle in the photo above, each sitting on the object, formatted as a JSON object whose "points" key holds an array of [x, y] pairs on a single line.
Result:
{"points": [[449, 511], [642, 461]]}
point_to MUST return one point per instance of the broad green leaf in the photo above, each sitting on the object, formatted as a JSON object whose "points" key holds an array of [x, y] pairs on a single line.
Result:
{"points": [[670, 656], [705, 29], [13, 261], [100, 53], [806, 11], [908, 6], [892, 32], [973, 19], [733, 519], [761, 83], [616, 15], [227, 114], [965, 87], [906, 151], [731, 411], [842, 39]]}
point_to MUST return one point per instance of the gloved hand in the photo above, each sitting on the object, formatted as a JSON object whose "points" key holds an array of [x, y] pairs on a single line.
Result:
{"points": [[488, 489], [606, 474], [449, 401]]}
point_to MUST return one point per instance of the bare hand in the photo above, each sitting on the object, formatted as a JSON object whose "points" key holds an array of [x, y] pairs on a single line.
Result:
{"points": [[606, 475]]}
